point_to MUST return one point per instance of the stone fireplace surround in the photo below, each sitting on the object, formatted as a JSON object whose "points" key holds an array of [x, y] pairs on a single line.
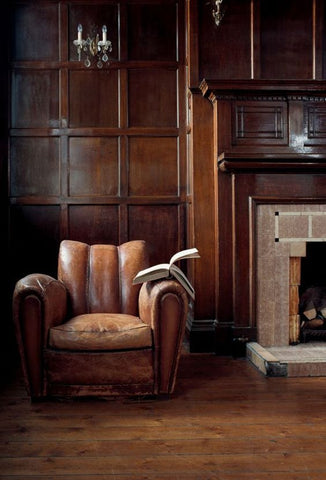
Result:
{"points": [[282, 232]]}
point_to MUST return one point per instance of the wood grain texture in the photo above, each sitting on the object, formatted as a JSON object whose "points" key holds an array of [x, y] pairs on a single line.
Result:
{"points": [[225, 421], [96, 143]]}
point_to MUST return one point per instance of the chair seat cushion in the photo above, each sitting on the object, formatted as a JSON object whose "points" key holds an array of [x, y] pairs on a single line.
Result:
{"points": [[101, 331]]}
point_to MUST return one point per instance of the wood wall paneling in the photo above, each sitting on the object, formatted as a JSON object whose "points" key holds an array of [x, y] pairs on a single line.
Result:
{"points": [[92, 16], [148, 104], [96, 154], [93, 166], [157, 23], [159, 224], [257, 39], [314, 124], [93, 98], [153, 166], [225, 51], [33, 23], [34, 166], [260, 123], [201, 223], [260, 139], [286, 40], [37, 92], [94, 223]]}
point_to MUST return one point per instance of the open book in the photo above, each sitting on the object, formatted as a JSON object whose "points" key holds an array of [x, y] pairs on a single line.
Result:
{"points": [[166, 270]]}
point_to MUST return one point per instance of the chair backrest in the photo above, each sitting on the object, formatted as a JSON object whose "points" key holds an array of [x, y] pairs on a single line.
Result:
{"points": [[99, 277]]}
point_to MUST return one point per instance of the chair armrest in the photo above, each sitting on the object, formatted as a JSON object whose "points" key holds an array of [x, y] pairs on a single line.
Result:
{"points": [[39, 302], [163, 304]]}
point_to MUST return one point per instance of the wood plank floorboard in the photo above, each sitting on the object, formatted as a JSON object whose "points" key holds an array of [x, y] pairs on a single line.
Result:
{"points": [[225, 421]]}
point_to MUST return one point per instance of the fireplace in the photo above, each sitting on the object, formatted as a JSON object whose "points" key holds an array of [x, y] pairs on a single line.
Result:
{"points": [[285, 238], [283, 232], [269, 140]]}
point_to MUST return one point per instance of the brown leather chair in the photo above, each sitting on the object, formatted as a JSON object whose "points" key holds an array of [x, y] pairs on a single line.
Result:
{"points": [[92, 332]]}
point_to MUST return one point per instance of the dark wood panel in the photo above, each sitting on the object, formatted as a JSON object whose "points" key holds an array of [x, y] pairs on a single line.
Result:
{"points": [[321, 40], [152, 32], [160, 225], [202, 209], [93, 166], [35, 99], [93, 98], [94, 223], [34, 239], [92, 17], [315, 124], [153, 166], [286, 39], [247, 188], [34, 166], [224, 249], [36, 34], [225, 51], [259, 123], [269, 119], [243, 188], [71, 125], [257, 40], [149, 104]]}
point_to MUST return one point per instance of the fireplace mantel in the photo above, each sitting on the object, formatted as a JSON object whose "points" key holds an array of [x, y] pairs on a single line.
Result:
{"points": [[269, 145], [269, 125], [245, 162], [303, 89]]}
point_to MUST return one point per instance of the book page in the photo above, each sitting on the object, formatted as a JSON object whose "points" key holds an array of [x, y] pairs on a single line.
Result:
{"points": [[162, 270], [188, 253], [181, 277]]}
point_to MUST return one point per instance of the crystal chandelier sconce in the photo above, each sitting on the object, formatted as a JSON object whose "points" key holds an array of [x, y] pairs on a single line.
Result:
{"points": [[93, 48], [217, 12]]}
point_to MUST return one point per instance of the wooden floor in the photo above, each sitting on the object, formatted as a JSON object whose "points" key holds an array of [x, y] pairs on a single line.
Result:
{"points": [[225, 422]]}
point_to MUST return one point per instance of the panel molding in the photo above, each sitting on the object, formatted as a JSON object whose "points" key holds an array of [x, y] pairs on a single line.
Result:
{"points": [[315, 124], [259, 123]]}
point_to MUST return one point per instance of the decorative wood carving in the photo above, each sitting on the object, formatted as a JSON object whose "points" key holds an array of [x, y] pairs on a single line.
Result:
{"points": [[258, 123], [229, 162], [270, 145], [269, 125], [315, 124]]}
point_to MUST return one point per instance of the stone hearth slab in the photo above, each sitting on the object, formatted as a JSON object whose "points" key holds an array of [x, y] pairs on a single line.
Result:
{"points": [[302, 360]]}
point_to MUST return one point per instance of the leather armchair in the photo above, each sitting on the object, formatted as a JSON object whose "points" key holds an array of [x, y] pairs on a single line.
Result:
{"points": [[92, 332]]}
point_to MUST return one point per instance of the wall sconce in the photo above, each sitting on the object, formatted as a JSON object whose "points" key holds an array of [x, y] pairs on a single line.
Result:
{"points": [[93, 47], [217, 12]]}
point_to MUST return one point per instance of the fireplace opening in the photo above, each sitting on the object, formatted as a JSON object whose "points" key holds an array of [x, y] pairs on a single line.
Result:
{"points": [[312, 293]]}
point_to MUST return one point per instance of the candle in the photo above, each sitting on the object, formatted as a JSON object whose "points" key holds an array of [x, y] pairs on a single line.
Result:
{"points": [[79, 30], [104, 30]]}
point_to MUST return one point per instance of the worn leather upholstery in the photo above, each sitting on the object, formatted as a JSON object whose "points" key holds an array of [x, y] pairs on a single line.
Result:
{"points": [[90, 331], [101, 331]]}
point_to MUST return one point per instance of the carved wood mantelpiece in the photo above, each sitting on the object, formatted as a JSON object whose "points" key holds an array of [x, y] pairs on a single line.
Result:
{"points": [[269, 125], [229, 162], [269, 145], [271, 89]]}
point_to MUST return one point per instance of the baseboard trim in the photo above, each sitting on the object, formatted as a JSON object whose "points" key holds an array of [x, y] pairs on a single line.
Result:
{"points": [[201, 335]]}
